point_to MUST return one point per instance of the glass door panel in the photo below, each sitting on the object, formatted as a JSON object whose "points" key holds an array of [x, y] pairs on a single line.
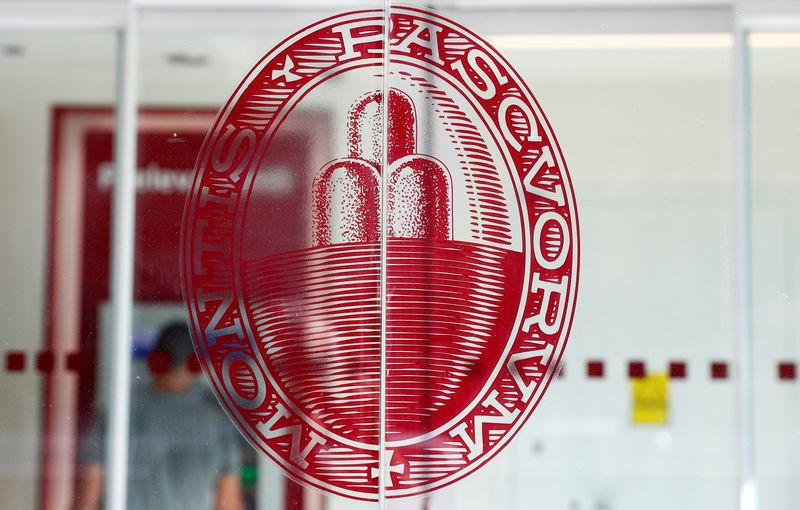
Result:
{"points": [[641, 410], [275, 252], [775, 76], [53, 83]]}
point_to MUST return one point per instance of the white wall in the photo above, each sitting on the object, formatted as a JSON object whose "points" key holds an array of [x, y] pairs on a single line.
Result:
{"points": [[776, 261]]}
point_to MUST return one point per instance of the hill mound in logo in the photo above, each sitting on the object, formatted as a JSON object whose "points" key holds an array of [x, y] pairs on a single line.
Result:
{"points": [[283, 255]]}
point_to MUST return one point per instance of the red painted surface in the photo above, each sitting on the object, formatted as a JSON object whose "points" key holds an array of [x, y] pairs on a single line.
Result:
{"points": [[595, 369], [636, 369], [678, 370], [166, 154], [15, 361], [45, 361], [719, 370], [787, 371], [76, 361]]}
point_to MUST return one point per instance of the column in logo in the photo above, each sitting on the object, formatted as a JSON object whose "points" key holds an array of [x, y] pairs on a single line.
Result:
{"points": [[346, 190], [346, 198], [364, 127], [419, 199]]}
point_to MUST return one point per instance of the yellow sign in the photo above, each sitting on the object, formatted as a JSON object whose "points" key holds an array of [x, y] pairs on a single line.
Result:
{"points": [[650, 399]]}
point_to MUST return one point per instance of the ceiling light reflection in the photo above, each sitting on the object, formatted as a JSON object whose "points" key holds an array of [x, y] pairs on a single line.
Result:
{"points": [[641, 41]]}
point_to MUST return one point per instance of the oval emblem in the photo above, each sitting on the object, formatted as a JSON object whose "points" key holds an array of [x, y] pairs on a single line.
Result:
{"points": [[324, 241]]}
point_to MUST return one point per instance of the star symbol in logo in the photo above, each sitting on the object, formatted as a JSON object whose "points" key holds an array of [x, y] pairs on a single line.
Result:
{"points": [[396, 468], [286, 71]]}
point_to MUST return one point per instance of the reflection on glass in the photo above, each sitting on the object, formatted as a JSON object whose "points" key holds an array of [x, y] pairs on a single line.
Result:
{"points": [[269, 223], [183, 452], [43, 151]]}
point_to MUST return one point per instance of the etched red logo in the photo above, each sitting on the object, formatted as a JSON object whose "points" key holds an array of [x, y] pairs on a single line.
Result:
{"points": [[323, 235]]}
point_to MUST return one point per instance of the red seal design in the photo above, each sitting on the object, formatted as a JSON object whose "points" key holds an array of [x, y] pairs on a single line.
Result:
{"points": [[282, 269]]}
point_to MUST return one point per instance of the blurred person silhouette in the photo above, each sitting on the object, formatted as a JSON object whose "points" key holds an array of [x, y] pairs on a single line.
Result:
{"points": [[183, 452]]}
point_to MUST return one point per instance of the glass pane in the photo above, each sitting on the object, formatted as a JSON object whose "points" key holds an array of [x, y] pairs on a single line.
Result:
{"points": [[293, 185], [251, 138], [776, 187], [467, 356], [53, 271], [643, 413]]}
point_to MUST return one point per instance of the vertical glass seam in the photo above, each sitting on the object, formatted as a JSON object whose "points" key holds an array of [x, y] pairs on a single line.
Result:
{"points": [[743, 270], [383, 259], [124, 209]]}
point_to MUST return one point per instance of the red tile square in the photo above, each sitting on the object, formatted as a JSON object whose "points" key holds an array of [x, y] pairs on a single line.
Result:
{"points": [[45, 361], [719, 370], [677, 370], [75, 361], [15, 361], [595, 369], [636, 369], [787, 371]]}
